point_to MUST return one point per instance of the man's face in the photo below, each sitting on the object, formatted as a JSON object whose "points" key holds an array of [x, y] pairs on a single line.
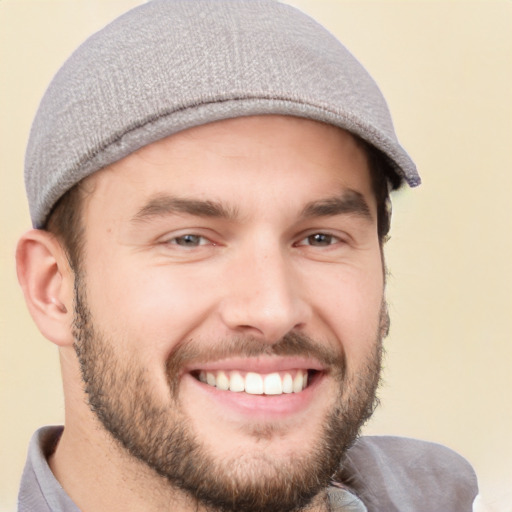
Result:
{"points": [[230, 307]]}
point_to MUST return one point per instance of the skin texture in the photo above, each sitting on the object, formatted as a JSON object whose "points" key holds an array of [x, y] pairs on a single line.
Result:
{"points": [[246, 244]]}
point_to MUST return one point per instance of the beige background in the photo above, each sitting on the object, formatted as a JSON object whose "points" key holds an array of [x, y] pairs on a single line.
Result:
{"points": [[446, 69]]}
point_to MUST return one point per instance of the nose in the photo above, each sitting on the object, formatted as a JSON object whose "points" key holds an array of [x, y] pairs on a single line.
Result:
{"points": [[264, 298]]}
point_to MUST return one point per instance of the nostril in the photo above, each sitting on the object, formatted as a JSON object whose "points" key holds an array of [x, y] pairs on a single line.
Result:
{"points": [[267, 310]]}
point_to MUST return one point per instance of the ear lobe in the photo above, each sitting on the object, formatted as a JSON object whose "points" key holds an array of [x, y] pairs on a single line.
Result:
{"points": [[47, 283]]}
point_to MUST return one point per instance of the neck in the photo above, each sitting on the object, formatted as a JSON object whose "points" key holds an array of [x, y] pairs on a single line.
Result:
{"points": [[87, 459]]}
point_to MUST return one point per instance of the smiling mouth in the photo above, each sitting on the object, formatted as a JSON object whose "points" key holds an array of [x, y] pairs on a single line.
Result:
{"points": [[252, 383]]}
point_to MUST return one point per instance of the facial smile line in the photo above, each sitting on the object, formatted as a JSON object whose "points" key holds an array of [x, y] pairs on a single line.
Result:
{"points": [[276, 383]]}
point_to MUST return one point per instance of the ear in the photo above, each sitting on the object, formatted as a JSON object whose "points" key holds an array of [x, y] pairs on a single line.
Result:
{"points": [[47, 281]]}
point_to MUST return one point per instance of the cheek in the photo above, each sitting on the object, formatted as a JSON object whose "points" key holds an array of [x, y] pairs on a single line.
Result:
{"points": [[149, 308], [349, 301]]}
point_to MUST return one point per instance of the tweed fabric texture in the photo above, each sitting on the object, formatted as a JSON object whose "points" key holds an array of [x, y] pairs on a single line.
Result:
{"points": [[169, 65]]}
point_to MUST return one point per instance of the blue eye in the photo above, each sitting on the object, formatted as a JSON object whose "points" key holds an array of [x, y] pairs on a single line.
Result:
{"points": [[189, 240]]}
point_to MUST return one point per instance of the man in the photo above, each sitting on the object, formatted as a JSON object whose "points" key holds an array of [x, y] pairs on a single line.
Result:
{"points": [[208, 183]]}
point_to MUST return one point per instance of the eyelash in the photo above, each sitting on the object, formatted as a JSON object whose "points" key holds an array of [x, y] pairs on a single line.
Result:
{"points": [[318, 239], [331, 240], [199, 238]]}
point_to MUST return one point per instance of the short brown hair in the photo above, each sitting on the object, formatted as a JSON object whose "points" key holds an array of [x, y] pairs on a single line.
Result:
{"points": [[65, 222]]}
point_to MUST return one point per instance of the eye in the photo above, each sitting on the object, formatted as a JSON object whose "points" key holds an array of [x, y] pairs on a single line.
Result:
{"points": [[190, 240], [319, 240]]}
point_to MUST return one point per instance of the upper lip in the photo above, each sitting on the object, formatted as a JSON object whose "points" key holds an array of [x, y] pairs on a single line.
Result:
{"points": [[263, 365]]}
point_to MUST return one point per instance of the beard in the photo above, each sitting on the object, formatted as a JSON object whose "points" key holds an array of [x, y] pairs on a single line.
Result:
{"points": [[161, 436]]}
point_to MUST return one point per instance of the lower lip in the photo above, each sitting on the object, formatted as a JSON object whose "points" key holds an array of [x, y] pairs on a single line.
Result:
{"points": [[260, 406]]}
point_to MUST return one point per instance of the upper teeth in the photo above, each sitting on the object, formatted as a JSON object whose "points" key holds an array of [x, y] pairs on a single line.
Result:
{"points": [[255, 383]]}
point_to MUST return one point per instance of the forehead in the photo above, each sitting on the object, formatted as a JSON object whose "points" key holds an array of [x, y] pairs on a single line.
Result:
{"points": [[279, 156]]}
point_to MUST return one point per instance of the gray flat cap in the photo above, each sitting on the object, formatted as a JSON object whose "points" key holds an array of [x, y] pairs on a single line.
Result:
{"points": [[169, 65]]}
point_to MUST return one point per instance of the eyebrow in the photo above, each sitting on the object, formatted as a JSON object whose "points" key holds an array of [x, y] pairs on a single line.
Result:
{"points": [[162, 205], [350, 202]]}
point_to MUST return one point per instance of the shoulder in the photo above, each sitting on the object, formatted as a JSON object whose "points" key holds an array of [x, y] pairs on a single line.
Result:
{"points": [[407, 474], [409, 453]]}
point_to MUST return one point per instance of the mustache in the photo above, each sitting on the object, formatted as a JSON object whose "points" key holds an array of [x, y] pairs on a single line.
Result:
{"points": [[292, 344]]}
